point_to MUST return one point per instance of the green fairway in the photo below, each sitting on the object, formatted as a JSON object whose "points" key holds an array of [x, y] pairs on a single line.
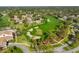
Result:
{"points": [[4, 21], [52, 25]]}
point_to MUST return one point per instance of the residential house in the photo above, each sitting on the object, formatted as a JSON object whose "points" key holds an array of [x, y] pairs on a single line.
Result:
{"points": [[17, 19], [6, 36]]}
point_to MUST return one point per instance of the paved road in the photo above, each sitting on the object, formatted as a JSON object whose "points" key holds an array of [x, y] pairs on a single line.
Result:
{"points": [[61, 50], [56, 50], [19, 45], [73, 50]]}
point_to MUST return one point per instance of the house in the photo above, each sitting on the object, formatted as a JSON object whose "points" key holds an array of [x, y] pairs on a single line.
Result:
{"points": [[76, 26], [2, 42], [17, 19], [6, 36], [65, 17], [37, 21], [29, 20], [23, 17], [77, 16]]}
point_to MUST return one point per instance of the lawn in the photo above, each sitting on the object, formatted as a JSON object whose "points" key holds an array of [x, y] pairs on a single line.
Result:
{"points": [[52, 25], [77, 51], [13, 49], [4, 21]]}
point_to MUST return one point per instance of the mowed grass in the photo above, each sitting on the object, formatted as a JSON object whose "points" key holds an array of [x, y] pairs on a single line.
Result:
{"points": [[13, 49], [52, 25]]}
